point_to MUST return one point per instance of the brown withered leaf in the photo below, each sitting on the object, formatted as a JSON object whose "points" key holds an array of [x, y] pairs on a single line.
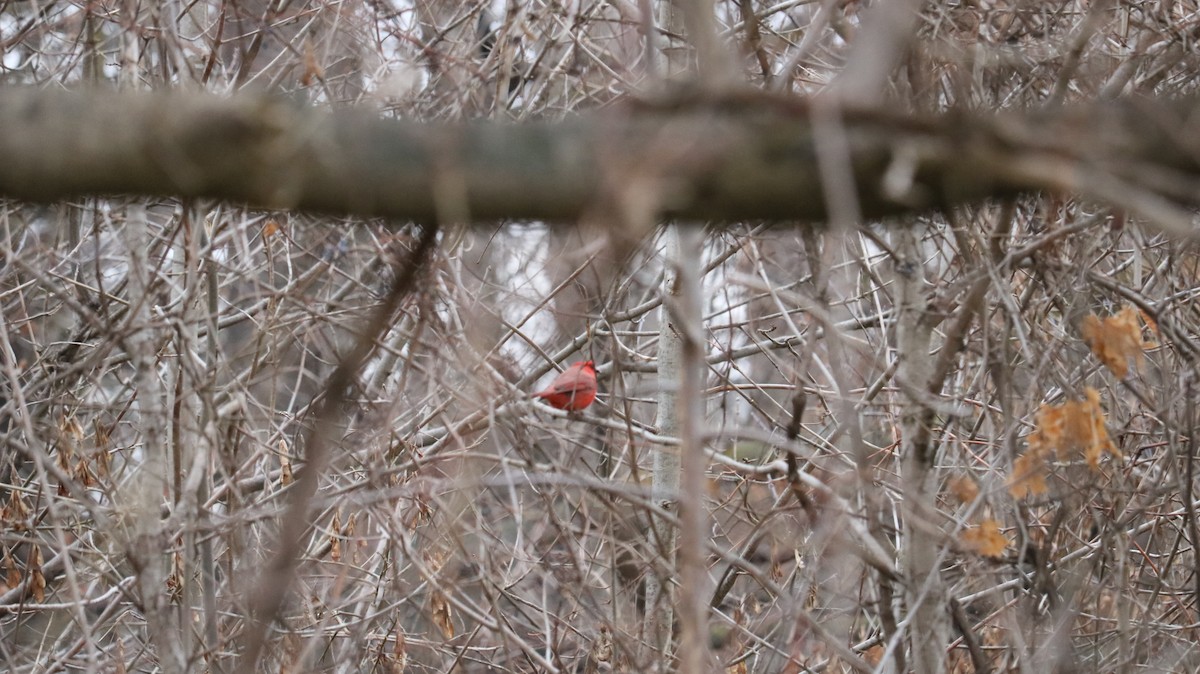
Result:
{"points": [[83, 474], [355, 544], [400, 652], [1152, 324], [174, 588], [66, 445], [963, 488], [1071, 428], [70, 430], [335, 536], [12, 575], [175, 578], [434, 560], [101, 434], [1116, 339], [985, 538], [1067, 430], [120, 658], [1093, 434], [420, 513], [601, 652], [270, 227], [37, 580], [312, 67], [1029, 475], [442, 617], [285, 465], [15, 513], [874, 655]]}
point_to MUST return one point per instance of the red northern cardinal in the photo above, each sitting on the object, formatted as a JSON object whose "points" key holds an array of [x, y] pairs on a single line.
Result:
{"points": [[572, 390]]}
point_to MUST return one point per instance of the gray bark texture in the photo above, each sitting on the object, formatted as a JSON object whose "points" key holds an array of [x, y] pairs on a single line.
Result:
{"points": [[725, 157]]}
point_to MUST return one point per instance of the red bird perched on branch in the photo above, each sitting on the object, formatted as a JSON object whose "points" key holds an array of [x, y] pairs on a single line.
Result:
{"points": [[572, 390]]}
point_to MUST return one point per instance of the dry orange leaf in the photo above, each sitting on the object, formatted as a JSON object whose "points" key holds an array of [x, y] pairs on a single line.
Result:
{"points": [[37, 580], [285, 465], [985, 538], [1074, 426], [1029, 475], [1093, 435], [312, 68], [335, 537], [102, 434], [441, 613], [12, 576], [964, 488], [1116, 339], [174, 587], [271, 226], [69, 427], [601, 651], [1150, 323], [400, 652], [435, 560], [16, 513], [1067, 430]]}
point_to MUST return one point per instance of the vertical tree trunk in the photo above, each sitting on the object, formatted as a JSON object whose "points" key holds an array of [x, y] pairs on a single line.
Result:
{"points": [[926, 594], [660, 613], [665, 60], [145, 541], [693, 513]]}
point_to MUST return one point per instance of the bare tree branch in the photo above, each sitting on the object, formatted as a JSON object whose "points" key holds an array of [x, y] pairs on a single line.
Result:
{"points": [[737, 157]]}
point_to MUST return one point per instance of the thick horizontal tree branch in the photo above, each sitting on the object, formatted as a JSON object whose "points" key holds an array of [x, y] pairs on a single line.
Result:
{"points": [[740, 158]]}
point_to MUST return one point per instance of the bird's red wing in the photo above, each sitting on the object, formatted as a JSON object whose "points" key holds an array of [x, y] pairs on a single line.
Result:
{"points": [[571, 387], [572, 390]]}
